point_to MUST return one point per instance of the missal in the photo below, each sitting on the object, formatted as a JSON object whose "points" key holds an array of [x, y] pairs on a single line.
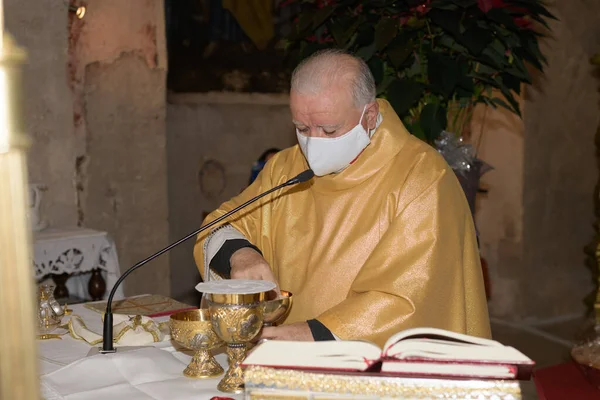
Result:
{"points": [[150, 305], [422, 352]]}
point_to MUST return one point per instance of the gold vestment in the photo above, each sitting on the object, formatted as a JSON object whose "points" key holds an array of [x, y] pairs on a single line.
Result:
{"points": [[385, 245]]}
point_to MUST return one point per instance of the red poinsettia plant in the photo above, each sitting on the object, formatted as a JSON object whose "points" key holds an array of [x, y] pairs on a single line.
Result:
{"points": [[432, 59]]}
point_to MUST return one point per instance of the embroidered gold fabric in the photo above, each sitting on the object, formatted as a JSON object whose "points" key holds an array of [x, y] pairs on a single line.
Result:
{"points": [[140, 331], [270, 383]]}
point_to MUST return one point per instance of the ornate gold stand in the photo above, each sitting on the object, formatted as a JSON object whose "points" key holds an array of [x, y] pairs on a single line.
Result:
{"points": [[203, 365], [233, 381], [236, 319]]}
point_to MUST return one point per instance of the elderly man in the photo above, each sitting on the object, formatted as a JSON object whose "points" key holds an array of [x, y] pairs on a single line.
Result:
{"points": [[379, 241]]}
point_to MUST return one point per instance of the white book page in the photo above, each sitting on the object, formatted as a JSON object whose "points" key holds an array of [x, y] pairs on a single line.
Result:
{"points": [[438, 333], [458, 352], [496, 371], [348, 355]]}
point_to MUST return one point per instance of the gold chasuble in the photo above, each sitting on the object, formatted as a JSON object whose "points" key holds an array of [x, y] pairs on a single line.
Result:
{"points": [[385, 245]]}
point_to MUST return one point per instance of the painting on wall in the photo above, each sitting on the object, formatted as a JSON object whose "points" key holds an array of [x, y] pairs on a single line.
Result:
{"points": [[228, 45]]}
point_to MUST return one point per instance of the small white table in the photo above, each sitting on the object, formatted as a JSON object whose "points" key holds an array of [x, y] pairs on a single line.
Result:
{"points": [[54, 354], [77, 252]]}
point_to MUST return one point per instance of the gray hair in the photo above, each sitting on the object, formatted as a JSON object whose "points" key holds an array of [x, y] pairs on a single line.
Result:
{"points": [[317, 71]]}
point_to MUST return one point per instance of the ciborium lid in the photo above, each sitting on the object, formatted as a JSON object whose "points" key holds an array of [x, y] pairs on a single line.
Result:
{"points": [[235, 286]]}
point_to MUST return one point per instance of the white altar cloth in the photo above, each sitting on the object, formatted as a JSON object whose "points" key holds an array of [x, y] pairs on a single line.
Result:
{"points": [[76, 251], [146, 382]]}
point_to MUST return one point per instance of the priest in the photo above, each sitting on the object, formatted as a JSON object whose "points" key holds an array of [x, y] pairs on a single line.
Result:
{"points": [[379, 241]]}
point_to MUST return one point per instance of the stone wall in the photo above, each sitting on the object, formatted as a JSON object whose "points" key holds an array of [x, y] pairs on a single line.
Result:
{"points": [[498, 136], [538, 214], [95, 107], [212, 141], [118, 70], [41, 28], [561, 118]]}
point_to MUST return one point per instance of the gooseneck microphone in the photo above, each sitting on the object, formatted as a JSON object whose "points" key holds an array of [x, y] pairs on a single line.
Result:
{"points": [[107, 337]]}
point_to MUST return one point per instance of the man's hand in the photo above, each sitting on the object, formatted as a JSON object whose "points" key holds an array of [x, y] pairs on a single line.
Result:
{"points": [[298, 331], [247, 263]]}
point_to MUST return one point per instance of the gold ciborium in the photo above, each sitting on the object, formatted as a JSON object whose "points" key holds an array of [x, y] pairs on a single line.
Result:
{"points": [[276, 310], [193, 330], [236, 312]]}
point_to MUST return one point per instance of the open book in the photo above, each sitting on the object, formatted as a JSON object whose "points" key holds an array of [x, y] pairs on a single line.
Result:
{"points": [[427, 352]]}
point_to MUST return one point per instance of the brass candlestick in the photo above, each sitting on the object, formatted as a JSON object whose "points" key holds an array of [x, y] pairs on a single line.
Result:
{"points": [[237, 319], [193, 330]]}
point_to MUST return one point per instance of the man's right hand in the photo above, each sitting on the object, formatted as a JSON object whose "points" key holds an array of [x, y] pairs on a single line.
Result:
{"points": [[246, 263]]}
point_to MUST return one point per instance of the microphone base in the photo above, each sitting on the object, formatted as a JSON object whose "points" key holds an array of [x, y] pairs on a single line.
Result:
{"points": [[122, 349]]}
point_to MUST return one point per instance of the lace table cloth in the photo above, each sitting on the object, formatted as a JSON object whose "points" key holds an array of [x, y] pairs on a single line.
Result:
{"points": [[76, 251]]}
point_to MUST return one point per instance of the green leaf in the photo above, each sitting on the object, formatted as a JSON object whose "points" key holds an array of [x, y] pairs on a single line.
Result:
{"points": [[485, 70], [377, 69], [498, 101], [511, 99], [385, 83], [541, 20], [443, 73], [528, 57], [502, 17], [464, 82], [443, 5], [403, 94], [447, 20], [534, 7], [493, 55], [343, 28], [465, 3], [511, 82], [302, 26], [450, 43], [531, 45], [416, 130], [321, 15], [385, 32], [519, 70], [433, 121], [399, 50], [366, 52], [475, 39], [365, 35]]}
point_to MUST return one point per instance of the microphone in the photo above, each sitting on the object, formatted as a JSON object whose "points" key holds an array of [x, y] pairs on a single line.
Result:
{"points": [[107, 337]]}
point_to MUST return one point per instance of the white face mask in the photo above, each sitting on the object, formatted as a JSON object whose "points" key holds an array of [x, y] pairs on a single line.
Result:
{"points": [[333, 155]]}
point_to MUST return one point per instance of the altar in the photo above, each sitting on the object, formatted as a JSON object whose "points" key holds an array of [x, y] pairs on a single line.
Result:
{"points": [[56, 358]]}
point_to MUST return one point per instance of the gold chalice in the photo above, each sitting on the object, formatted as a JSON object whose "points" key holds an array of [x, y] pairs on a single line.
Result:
{"points": [[236, 312], [193, 330], [236, 319], [276, 310]]}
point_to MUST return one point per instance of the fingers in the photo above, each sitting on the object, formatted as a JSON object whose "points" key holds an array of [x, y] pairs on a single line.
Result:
{"points": [[267, 333]]}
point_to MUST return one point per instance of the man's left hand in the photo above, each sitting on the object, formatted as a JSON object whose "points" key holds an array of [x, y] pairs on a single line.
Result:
{"points": [[298, 331]]}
